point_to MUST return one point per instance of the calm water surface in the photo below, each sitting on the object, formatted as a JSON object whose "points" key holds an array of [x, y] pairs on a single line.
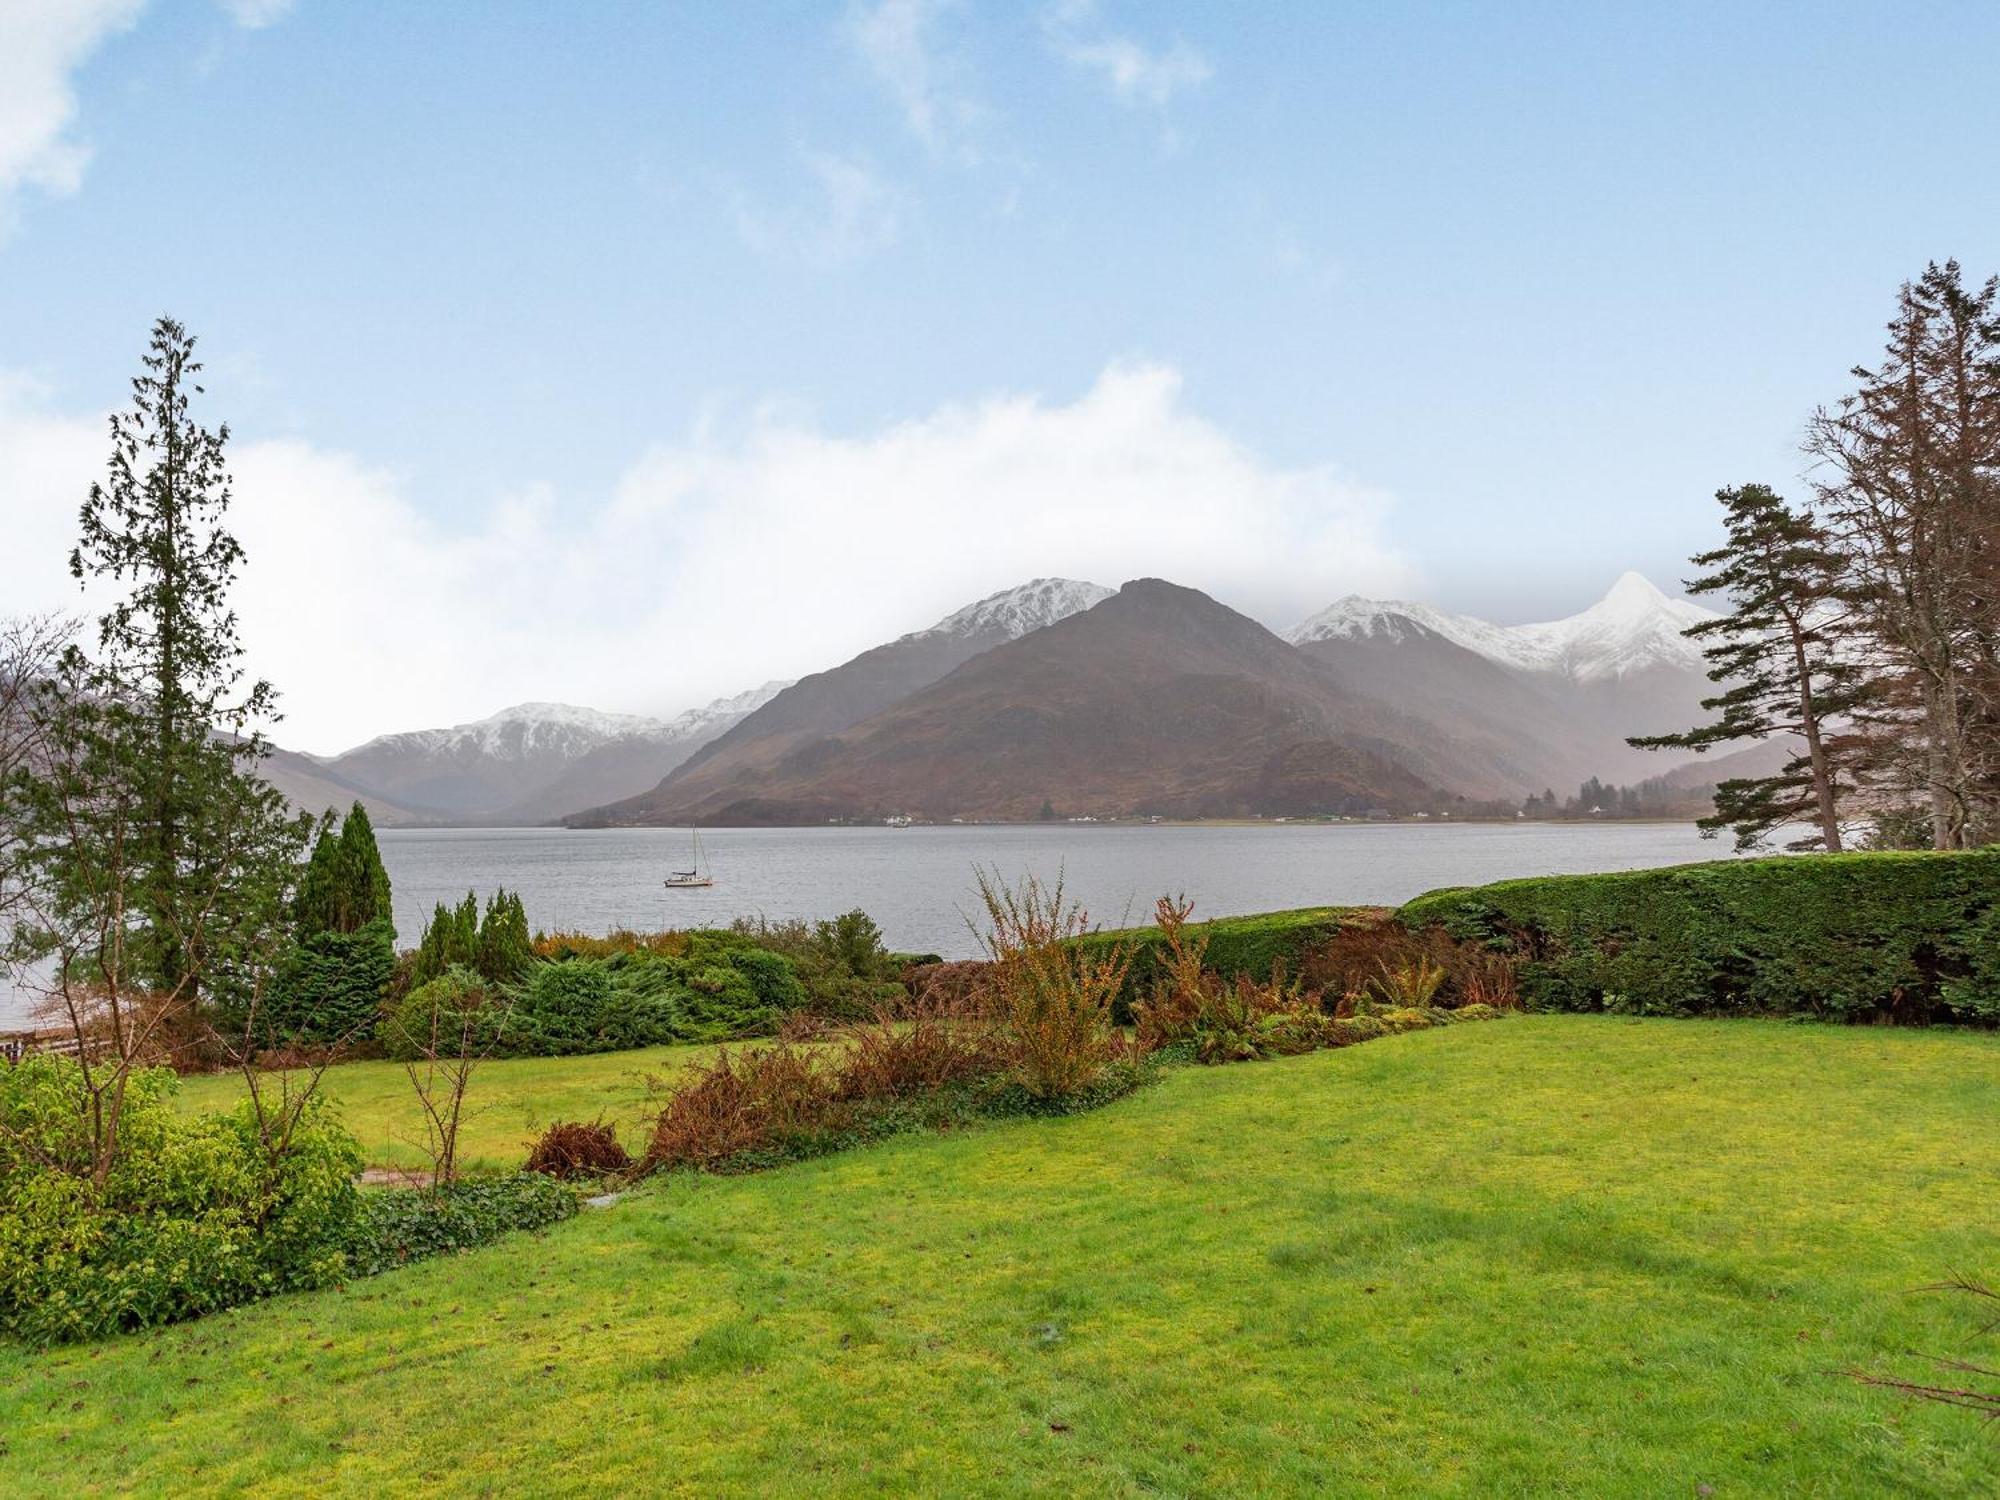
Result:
{"points": [[918, 882]]}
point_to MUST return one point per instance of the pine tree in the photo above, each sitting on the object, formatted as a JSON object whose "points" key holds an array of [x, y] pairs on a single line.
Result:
{"points": [[1911, 493], [314, 902], [162, 730], [364, 879], [1786, 665], [505, 949]]}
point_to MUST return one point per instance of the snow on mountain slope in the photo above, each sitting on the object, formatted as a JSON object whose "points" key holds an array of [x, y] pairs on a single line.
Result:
{"points": [[534, 729], [510, 763], [1633, 627], [722, 712], [1017, 611]]}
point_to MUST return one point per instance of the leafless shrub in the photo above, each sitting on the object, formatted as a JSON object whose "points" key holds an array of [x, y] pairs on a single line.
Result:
{"points": [[739, 1102], [450, 1040], [1978, 1388], [571, 1148]]}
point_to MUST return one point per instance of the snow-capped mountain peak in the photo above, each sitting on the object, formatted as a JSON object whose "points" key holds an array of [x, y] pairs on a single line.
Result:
{"points": [[723, 711], [1016, 612], [525, 730], [1634, 626]]}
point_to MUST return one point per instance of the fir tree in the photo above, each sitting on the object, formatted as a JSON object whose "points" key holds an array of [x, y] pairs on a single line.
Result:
{"points": [[345, 885], [318, 894], [364, 879], [505, 949], [1785, 665], [156, 814]]}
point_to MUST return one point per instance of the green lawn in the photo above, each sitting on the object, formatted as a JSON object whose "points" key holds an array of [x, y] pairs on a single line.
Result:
{"points": [[1555, 1255], [510, 1102]]}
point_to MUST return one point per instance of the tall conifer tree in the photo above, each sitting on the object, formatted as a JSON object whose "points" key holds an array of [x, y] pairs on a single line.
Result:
{"points": [[1785, 668]]}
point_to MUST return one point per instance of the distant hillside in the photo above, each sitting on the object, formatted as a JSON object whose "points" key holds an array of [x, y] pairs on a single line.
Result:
{"points": [[311, 787], [533, 762], [827, 703], [1553, 701], [1158, 700]]}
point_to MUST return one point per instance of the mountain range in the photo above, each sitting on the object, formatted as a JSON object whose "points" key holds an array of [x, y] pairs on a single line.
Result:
{"points": [[1066, 697]]}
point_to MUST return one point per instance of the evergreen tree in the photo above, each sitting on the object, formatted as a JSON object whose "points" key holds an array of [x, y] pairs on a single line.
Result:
{"points": [[334, 976], [364, 879], [505, 949], [345, 885], [1911, 494], [1786, 666], [318, 894], [451, 938], [148, 819]]}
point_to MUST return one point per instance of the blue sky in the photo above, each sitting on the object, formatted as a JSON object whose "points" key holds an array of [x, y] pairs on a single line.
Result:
{"points": [[1479, 302]]}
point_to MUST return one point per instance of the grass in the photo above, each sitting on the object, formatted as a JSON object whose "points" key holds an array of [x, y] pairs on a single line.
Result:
{"points": [[1556, 1255], [511, 1101]]}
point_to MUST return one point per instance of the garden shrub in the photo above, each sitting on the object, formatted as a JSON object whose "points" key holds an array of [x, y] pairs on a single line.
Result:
{"points": [[1258, 946], [639, 996], [571, 1148], [329, 986], [575, 1007], [844, 970], [1050, 995], [1877, 936], [720, 1001], [929, 1052], [435, 1013], [399, 1225], [193, 1216], [740, 1103]]}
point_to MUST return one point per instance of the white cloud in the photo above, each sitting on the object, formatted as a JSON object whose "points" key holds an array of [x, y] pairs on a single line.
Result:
{"points": [[254, 15], [42, 44], [1136, 74], [851, 213], [762, 548], [900, 43]]}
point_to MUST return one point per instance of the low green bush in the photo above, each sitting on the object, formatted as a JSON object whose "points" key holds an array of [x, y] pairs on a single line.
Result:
{"points": [[574, 1007], [437, 1013], [329, 986], [399, 1225], [1255, 947], [1848, 937], [193, 1216]]}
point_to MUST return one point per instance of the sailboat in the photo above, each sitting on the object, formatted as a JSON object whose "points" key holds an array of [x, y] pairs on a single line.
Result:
{"points": [[692, 879]]}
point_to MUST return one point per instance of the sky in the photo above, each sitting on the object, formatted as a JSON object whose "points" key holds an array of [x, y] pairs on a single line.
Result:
{"points": [[632, 355]]}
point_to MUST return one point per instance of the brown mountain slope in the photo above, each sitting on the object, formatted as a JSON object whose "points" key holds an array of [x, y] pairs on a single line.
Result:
{"points": [[826, 703], [1159, 700], [311, 786]]}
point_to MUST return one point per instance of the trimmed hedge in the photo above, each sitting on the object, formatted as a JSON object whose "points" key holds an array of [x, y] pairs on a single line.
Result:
{"points": [[1845, 937], [1253, 945]]}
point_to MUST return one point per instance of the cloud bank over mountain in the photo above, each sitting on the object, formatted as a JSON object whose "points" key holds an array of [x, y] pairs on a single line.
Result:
{"points": [[757, 545]]}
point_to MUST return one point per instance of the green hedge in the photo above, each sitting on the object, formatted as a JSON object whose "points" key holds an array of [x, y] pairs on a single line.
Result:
{"points": [[1236, 945], [330, 985], [1851, 937]]}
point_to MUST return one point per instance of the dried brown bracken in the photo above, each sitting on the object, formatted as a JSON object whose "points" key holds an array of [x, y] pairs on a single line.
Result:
{"points": [[571, 1148]]}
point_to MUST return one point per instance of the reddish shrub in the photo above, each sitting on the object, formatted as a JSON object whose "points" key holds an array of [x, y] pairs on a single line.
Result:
{"points": [[957, 988], [570, 1148], [1380, 957], [890, 1059], [741, 1102], [1050, 1000]]}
